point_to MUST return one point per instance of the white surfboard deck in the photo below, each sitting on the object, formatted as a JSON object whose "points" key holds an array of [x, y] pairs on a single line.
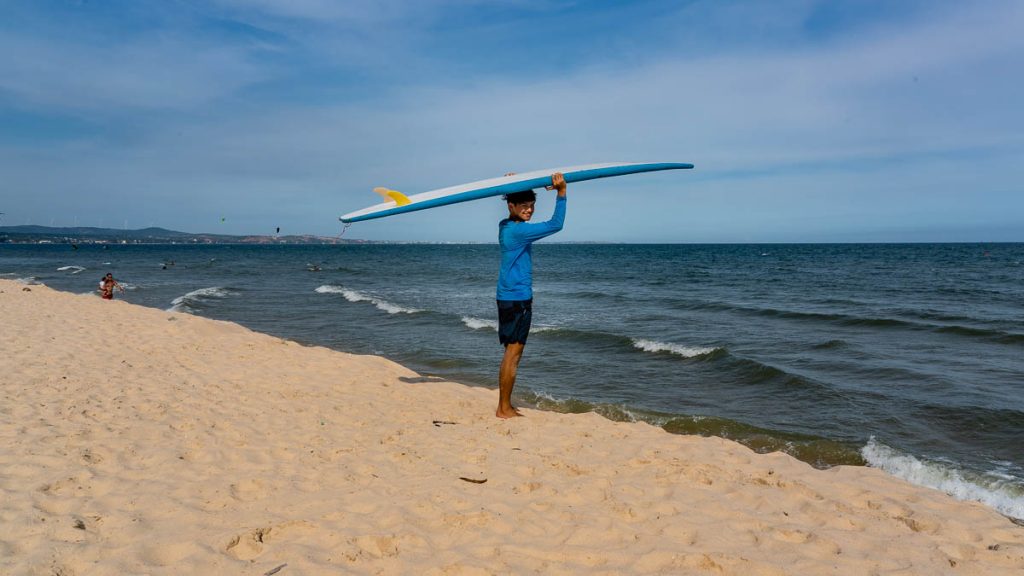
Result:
{"points": [[399, 203]]}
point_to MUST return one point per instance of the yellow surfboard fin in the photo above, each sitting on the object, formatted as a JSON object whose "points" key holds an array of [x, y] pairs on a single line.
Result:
{"points": [[394, 195]]}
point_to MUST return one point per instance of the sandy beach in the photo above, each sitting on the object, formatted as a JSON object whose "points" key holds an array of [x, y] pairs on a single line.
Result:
{"points": [[139, 441]]}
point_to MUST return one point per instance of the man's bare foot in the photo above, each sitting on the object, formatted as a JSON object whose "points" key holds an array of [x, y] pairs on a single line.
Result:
{"points": [[511, 413]]}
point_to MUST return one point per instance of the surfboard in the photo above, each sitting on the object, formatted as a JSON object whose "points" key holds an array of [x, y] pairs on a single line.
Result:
{"points": [[398, 203]]}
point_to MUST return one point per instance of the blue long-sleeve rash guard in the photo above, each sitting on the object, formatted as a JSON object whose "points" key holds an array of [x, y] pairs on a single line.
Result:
{"points": [[515, 280]]}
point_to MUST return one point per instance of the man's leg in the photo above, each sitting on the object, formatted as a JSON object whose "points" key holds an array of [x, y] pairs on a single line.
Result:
{"points": [[507, 380]]}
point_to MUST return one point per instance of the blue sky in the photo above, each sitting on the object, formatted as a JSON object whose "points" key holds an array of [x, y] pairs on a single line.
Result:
{"points": [[807, 121]]}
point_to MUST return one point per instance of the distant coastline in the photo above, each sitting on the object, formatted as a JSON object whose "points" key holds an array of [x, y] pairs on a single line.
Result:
{"points": [[89, 235]]}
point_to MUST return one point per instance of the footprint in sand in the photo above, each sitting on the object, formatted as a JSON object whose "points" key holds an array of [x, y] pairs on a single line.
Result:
{"points": [[378, 546], [249, 490], [90, 457], [793, 536], [252, 543], [248, 545]]}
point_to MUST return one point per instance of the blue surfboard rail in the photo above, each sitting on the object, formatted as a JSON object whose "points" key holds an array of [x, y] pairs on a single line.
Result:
{"points": [[520, 186]]}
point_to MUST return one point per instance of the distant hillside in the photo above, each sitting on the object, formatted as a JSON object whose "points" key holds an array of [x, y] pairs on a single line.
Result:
{"points": [[152, 235], [91, 232]]}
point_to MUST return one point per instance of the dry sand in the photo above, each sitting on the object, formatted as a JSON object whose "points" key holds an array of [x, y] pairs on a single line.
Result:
{"points": [[137, 441]]}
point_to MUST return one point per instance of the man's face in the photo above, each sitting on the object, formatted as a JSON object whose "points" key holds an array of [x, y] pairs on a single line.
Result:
{"points": [[523, 210]]}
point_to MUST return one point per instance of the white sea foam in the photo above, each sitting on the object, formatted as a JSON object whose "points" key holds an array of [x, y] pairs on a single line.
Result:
{"points": [[74, 269], [678, 349], [187, 302], [995, 490], [615, 412], [356, 296], [479, 323]]}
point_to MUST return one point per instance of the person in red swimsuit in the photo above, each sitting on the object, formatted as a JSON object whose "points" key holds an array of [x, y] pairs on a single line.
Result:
{"points": [[107, 285]]}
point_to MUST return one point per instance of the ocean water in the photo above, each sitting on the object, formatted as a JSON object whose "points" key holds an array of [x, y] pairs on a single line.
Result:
{"points": [[907, 357]]}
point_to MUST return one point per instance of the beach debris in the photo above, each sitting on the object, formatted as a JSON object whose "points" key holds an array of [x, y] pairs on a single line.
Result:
{"points": [[274, 571], [26, 289], [440, 423], [421, 379], [472, 480]]}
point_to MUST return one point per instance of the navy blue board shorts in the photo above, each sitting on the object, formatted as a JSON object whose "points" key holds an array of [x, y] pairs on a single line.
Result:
{"points": [[514, 317]]}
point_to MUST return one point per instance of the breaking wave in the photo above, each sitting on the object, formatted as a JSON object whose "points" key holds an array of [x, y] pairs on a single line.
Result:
{"points": [[356, 296], [479, 323], [677, 349], [198, 299], [993, 489]]}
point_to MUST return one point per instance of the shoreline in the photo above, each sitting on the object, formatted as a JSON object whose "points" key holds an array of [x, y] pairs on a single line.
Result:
{"points": [[139, 440]]}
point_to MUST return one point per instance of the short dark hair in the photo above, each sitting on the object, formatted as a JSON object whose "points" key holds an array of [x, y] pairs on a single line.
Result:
{"points": [[520, 197]]}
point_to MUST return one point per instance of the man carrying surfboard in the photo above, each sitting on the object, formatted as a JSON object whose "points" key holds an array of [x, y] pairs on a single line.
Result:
{"points": [[516, 236]]}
